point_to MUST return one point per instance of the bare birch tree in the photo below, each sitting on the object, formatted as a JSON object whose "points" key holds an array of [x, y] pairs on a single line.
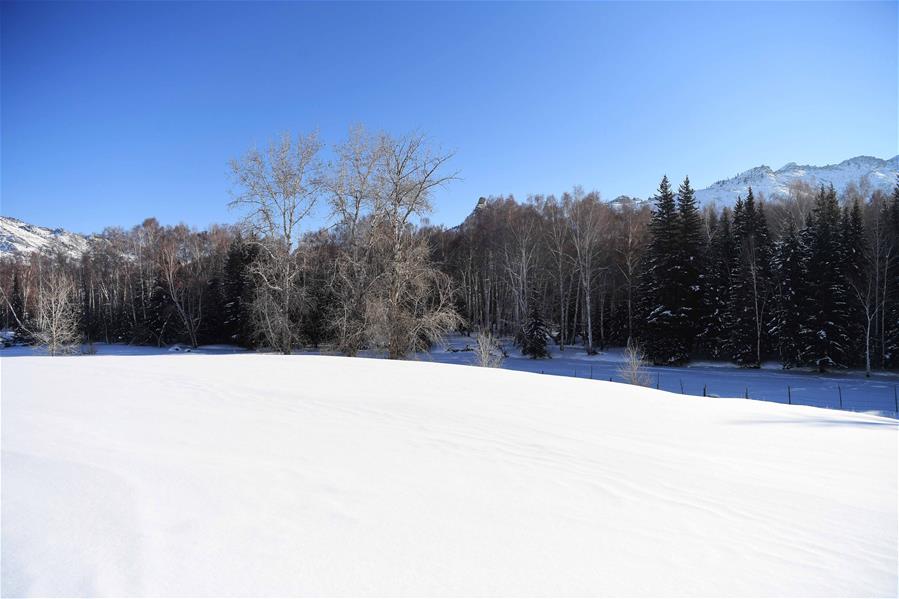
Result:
{"points": [[389, 293], [585, 213], [278, 188]]}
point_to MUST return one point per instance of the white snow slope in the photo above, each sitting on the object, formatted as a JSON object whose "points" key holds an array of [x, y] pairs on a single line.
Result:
{"points": [[18, 238], [257, 475], [880, 174]]}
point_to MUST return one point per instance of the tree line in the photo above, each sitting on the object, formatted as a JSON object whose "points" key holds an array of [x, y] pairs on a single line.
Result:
{"points": [[811, 279]]}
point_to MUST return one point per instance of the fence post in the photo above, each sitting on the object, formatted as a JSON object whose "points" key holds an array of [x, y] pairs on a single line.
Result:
{"points": [[704, 390], [789, 395], [840, 391], [658, 379], [681, 386], [746, 395]]}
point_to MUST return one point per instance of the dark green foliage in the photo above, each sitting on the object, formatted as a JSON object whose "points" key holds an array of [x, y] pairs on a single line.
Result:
{"points": [[662, 294], [826, 319], [717, 317], [690, 267], [790, 280], [751, 284], [533, 338], [890, 316], [854, 266], [238, 290], [17, 303]]}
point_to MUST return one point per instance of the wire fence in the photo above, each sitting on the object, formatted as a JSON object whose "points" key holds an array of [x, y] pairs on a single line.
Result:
{"points": [[847, 392]]}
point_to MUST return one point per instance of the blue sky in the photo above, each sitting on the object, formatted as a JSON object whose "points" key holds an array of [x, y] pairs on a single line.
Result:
{"points": [[112, 112]]}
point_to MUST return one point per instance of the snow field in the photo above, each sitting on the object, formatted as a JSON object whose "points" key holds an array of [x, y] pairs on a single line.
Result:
{"points": [[248, 474]]}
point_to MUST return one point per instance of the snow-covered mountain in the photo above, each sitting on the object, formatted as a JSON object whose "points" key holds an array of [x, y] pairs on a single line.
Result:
{"points": [[18, 238], [880, 174]]}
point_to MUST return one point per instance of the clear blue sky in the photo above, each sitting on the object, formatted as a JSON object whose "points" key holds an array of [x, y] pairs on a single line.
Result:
{"points": [[115, 112]]}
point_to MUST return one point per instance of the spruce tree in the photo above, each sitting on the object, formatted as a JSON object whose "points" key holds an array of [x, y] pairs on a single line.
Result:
{"points": [[750, 284], [891, 300], [661, 334], [826, 317], [534, 336], [238, 291], [159, 314], [688, 267], [18, 305], [791, 297], [853, 260], [717, 316]]}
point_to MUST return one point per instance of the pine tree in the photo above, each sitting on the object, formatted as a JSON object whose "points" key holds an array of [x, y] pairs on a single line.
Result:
{"points": [[717, 317], [891, 301], [238, 290], [660, 296], [826, 318], [750, 284], [854, 269], [534, 335], [20, 317], [791, 298], [689, 266], [159, 313]]}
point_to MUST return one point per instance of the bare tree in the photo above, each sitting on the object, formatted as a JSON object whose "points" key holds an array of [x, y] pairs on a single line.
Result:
{"points": [[587, 230], [181, 264], [633, 370], [487, 351], [279, 188], [558, 241], [57, 323], [389, 293]]}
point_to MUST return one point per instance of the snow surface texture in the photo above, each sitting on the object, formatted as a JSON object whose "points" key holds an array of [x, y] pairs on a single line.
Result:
{"points": [[841, 389], [249, 474], [880, 174]]}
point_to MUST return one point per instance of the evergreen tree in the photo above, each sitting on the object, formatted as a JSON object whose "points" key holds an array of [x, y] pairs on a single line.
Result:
{"points": [[891, 299], [750, 295], [717, 316], [853, 260], [238, 291], [534, 335], [826, 318], [689, 266], [17, 302], [791, 298], [159, 323], [661, 294]]}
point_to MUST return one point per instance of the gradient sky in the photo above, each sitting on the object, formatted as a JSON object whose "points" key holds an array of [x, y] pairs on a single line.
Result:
{"points": [[114, 112]]}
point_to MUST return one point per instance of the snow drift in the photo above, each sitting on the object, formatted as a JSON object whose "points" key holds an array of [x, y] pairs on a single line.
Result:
{"points": [[284, 475]]}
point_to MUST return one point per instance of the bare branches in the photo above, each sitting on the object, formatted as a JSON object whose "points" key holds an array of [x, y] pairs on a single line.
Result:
{"points": [[633, 369], [388, 294], [279, 189], [487, 351]]}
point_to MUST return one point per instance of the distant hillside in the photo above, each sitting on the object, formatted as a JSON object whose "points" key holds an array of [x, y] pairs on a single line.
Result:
{"points": [[18, 238], [880, 174]]}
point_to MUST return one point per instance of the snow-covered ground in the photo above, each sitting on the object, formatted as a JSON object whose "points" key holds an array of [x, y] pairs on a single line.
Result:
{"points": [[253, 474], [849, 390], [841, 389]]}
